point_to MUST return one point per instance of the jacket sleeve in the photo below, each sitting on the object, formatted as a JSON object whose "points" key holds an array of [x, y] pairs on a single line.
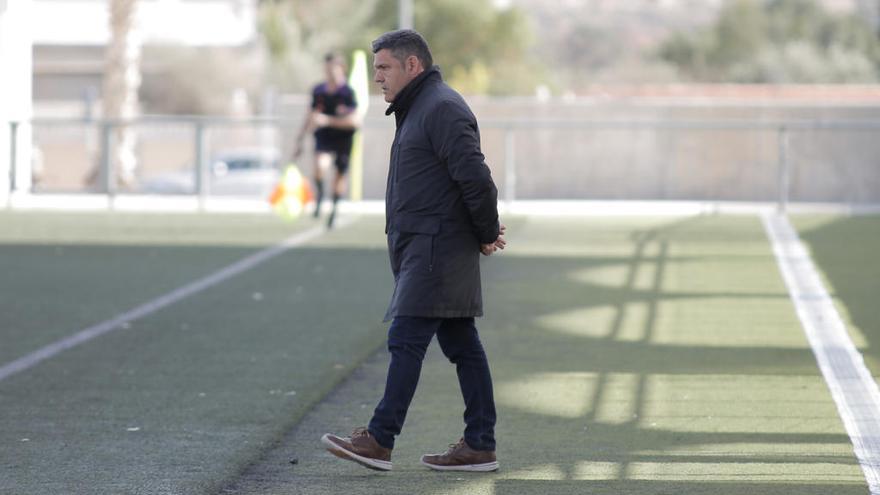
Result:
{"points": [[455, 138]]}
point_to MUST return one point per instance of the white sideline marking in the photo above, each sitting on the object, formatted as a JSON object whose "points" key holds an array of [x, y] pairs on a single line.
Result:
{"points": [[853, 388], [120, 321]]}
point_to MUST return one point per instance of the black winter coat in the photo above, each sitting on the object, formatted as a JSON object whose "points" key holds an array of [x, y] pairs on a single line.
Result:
{"points": [[440, 203]]}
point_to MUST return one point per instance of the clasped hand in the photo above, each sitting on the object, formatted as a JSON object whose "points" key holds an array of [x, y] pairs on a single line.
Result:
{"points": [[499, 243]]}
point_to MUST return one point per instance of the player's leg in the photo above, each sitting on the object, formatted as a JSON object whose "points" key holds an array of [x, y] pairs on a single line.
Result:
{"points": [[322, 161], [341, 163]]}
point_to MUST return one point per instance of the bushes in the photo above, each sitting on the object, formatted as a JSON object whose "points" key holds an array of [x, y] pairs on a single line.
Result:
{"points": [[778, 41]]}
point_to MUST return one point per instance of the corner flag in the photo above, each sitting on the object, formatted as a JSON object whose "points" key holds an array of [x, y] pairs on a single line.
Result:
{"points": [[359, 82]]}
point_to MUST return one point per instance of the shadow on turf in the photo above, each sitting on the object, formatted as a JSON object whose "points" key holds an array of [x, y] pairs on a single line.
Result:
{"points": [[510, 487], [703, 459], [845, 250], [542, 286]]}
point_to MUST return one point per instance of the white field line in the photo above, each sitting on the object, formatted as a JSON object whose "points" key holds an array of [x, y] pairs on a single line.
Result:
{"points": [[853, 388], [167, 299]]}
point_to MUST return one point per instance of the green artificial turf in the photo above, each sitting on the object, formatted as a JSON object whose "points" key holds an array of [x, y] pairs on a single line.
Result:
{"points": [[65, 272], [630, 355], [643, 356], [183, 399]]}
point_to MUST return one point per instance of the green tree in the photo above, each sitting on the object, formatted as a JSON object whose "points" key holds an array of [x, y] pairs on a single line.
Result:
{"points": [[481, 49], [298, 33], [741, 31], [778, 41]]}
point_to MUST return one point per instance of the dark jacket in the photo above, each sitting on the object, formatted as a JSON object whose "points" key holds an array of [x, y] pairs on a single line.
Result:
{"points": [[440, 203]]}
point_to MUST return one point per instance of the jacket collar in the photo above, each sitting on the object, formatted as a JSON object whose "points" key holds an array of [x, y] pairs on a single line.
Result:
{"points": [[407, 95]]}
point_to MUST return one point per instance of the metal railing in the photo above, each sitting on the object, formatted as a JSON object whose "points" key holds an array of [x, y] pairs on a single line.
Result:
{"points": [[510, 129], [783, 130]]}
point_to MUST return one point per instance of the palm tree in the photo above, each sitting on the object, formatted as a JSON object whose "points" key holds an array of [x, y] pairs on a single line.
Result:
{"points": [[122, 79]]}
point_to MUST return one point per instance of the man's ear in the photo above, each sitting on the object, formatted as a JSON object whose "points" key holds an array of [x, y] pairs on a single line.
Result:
{"points": [[413, 64]]}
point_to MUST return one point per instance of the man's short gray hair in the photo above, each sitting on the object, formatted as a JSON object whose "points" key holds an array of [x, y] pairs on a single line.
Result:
{"points": [[403, 43]]}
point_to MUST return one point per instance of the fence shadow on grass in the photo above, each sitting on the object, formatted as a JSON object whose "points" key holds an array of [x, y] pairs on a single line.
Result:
{"points": [[510, 487], [845, 250], [599, 391], [623, 408]]}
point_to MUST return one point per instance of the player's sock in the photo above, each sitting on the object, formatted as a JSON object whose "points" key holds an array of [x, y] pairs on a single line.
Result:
{"points": [[319, 196], [333, 211]]}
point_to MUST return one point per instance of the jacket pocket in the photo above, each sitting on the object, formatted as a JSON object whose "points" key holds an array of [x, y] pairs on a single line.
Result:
{"points": [[416, 224], [416, 236]]}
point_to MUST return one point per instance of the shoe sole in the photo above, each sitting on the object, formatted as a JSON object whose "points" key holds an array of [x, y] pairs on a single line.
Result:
{"points": [[474, 468], [374, 464]]}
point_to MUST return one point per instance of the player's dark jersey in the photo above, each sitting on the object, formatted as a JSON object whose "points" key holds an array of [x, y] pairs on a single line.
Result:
{"points": [[337, 103]]}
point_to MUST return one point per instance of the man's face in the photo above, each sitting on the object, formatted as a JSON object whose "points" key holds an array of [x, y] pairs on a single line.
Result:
{"points": [[392, 75], [334, 71]]}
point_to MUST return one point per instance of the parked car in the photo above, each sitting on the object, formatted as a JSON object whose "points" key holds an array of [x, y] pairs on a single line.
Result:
{"points": [[238, 172]]}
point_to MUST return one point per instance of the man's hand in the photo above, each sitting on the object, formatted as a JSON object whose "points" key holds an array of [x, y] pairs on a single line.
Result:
{"points": [[320, 120], [499, 243]]}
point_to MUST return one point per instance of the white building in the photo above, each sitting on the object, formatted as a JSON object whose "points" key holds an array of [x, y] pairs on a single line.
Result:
{"points": [[70, 36], [15, 92], [52, 57]]}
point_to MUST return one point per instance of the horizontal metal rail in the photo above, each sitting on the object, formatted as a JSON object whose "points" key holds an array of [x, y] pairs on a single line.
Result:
{"points": [[716, 124], [781, 127]]}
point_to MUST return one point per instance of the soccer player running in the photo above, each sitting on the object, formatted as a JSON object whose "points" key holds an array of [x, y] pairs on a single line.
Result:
{"points": [[441, 213], [334, 121]]}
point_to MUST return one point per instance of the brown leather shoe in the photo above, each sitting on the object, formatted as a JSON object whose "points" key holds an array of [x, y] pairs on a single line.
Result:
{"points": [[361, 448], [460, 457]]}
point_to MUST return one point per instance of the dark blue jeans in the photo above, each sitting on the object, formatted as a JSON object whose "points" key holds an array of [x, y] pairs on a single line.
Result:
{"points": [[408, 340]]}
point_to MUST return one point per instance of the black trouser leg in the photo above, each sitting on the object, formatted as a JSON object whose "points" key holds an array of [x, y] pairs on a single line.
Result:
{"points": [[460, 343], [408, 340]]}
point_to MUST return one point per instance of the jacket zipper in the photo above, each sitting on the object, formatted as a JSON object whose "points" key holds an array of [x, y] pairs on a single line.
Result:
{"points": [[431, 255]]}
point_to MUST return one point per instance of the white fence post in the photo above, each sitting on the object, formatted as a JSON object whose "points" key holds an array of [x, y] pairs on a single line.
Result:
{"points": [[201, 169], [784, 183], [16, 63]]}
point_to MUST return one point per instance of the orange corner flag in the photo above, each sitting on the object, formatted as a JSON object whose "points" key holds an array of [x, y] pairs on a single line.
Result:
{"points": [[291, 194]]}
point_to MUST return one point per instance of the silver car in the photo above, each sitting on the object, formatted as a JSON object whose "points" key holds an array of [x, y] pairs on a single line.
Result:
{"points": [[235, 172]]}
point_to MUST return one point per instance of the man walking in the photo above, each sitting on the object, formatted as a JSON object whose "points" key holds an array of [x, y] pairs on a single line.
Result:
{"points": [[440, 214]]}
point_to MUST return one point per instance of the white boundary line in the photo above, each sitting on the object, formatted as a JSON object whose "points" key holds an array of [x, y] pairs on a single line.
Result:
{"points": [[853, 388], [120, 321]]}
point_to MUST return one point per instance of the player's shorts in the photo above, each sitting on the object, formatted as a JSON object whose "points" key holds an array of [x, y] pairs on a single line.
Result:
{"points": [[341, 162], [341, 149]]}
